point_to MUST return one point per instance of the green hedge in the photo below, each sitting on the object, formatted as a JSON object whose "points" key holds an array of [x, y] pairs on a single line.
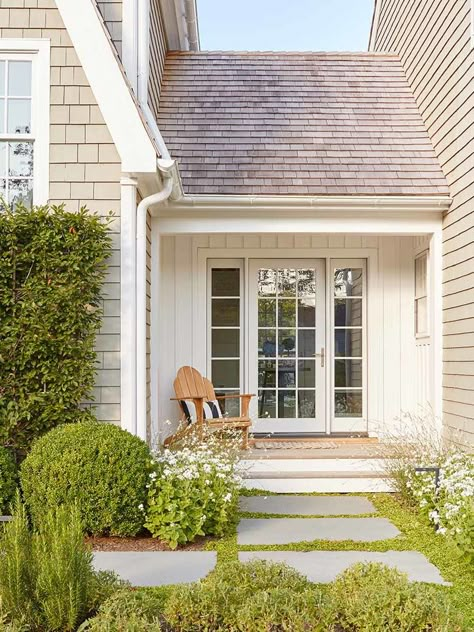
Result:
{"points": [[101, 468], [52, 266], [8, 479]]}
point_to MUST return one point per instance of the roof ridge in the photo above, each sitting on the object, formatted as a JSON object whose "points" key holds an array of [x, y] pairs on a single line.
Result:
{"points": [[270, 53]]}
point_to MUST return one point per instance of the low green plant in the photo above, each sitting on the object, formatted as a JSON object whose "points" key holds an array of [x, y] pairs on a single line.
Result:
{"points": [[8, 479], [47, 581], [249, 597], [194, 490], [375, 598], [99, 467]]}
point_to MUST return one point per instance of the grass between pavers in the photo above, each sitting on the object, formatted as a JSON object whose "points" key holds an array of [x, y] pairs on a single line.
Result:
{"points": [[416, 535]]}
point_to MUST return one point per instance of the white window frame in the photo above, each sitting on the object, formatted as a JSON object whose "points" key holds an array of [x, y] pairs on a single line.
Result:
{"points": [[38, 52], [422, 334]]}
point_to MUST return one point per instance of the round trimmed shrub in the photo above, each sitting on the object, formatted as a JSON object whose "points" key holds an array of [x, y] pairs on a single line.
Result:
{"points": [[98, 466], [8, 479]]}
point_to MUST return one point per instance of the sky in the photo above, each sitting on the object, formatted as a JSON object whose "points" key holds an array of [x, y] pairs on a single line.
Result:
{"points": [[288, 25]]}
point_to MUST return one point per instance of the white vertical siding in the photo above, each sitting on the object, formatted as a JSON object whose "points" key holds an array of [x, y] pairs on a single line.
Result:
{"points": [[433, 40], [181, 341]]}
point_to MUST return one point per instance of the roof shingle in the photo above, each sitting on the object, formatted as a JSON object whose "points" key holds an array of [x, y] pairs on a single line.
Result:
{"points": [[296, 124]]}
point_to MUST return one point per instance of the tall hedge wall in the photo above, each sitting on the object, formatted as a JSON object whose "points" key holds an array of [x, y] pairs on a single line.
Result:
{"points": [[52, 266]]}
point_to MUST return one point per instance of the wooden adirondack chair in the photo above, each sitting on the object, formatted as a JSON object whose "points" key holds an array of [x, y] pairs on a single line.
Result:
{"points": [[191, 386]]}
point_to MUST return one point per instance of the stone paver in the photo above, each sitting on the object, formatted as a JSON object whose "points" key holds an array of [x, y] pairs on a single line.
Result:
{"points": [[287, 530], [157, 568], [307, 505], [324, 566]]}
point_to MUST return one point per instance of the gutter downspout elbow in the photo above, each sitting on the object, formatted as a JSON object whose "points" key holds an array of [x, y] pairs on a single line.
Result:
{"points": [[141, 287]]}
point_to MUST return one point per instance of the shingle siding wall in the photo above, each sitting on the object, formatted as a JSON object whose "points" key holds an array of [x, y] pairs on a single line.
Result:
{"points": [[84, 167], [111, 11], [158, 48], [433, 40]]}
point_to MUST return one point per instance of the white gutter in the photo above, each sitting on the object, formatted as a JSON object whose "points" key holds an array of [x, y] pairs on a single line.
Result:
{"points": [[141, 294]]}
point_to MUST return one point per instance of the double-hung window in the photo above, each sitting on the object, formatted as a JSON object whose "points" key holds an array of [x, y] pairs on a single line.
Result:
{"points": [[24, 121]]}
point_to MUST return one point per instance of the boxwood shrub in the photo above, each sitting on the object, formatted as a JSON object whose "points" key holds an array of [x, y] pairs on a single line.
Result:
{"points": [[8, 479], [98, 466]]}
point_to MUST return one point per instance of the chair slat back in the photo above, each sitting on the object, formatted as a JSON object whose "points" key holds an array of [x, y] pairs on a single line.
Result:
{"points": [[189, 383], [210, 393]]}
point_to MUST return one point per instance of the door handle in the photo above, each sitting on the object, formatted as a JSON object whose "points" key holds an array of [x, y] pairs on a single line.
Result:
{"points": [[321, 355]]}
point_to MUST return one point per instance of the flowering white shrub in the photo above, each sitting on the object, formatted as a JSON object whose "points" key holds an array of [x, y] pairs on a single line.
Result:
{"points": [[194, 490]]}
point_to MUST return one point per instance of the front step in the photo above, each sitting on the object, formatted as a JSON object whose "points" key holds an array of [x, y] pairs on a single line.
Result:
{"points": [[316, 475]]}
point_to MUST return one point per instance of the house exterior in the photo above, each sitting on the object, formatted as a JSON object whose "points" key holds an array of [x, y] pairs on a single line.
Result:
{"points": [[279, 216]]}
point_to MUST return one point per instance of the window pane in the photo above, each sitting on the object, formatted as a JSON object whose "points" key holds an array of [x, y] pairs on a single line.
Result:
{"points": [[266, 312], [421, 306], [420, 276], [348, 312], [266, 373], [2, 78], [266, 282], [2, 116], [226, 282], [287, 282], [306, 312], [267, 343], [19, 116], [3, 191], [348, 282], [3, 159], [348, 373], [20, 191], [21, 159], [306, 373], [19, 78], [226, 312], [286, 404], [225, 343], [306, 404], [286, 343], [348, 342], [306, 282], [348, 403], [306, 344], [286, 312], [267, 404], [286, 373], [225, 373]]}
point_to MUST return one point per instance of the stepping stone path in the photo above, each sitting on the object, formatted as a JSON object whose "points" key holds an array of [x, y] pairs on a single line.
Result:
{"points": [[157, 568], [307, 505], [324, 566], [288, 530]]}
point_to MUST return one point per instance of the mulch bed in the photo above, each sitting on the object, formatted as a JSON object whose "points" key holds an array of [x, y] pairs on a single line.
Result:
{"points": [[142, 543]]}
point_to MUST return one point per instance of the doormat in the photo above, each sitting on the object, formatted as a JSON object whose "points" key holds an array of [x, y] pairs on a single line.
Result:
{"points": [[294, 445]]}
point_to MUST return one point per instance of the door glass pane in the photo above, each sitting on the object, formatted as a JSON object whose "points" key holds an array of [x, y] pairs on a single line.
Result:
{"points": [[348, 403], [306, 283], [306, 404], [348, 282], [306, 312], [266, 282], [286, 343], [267, 343], [266, 373], [286, 312], [287, 282], [348, 343], [286, 404], [225, 343], [348, 312], [19, 78], [226, 282], [225, 373], [348, 373], [306, 347], [225, 312], [306, 373], [267, 404], [266, 312], [286, 373]]}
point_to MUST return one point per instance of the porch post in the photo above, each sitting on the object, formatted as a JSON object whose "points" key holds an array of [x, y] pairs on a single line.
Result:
{"points": [[128, 351], [436, 289]]}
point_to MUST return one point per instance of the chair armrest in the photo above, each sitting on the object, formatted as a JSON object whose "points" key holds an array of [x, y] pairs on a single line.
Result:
{"points": [[235, 396], [190, 398]]}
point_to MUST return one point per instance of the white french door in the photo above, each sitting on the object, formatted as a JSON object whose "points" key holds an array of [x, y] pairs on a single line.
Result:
{"points": [[287, 344]]}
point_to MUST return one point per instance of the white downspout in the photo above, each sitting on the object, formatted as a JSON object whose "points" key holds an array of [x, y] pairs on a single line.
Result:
{"points": [[141, 294]]}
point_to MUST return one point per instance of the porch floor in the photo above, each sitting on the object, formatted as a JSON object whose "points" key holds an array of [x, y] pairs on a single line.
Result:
{"points": [[313, 448]]}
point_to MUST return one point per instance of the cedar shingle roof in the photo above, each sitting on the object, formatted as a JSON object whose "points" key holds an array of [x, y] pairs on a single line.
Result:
{"points": [[295, 124]]}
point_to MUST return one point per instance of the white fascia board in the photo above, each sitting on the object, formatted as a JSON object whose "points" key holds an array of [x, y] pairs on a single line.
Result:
{"points": [[109, 85]]}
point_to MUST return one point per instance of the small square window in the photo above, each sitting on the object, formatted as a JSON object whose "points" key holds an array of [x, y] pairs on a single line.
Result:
{"points": [[421, 295]]}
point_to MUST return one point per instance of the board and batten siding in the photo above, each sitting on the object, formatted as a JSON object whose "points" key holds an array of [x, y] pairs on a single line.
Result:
{"points": [[433, 39], [403, 386], [84, 168]]}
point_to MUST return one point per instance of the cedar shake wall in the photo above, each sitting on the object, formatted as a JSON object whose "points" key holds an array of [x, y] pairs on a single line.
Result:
{"points": [[111, 11], [84, 168], [433, 40]]}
